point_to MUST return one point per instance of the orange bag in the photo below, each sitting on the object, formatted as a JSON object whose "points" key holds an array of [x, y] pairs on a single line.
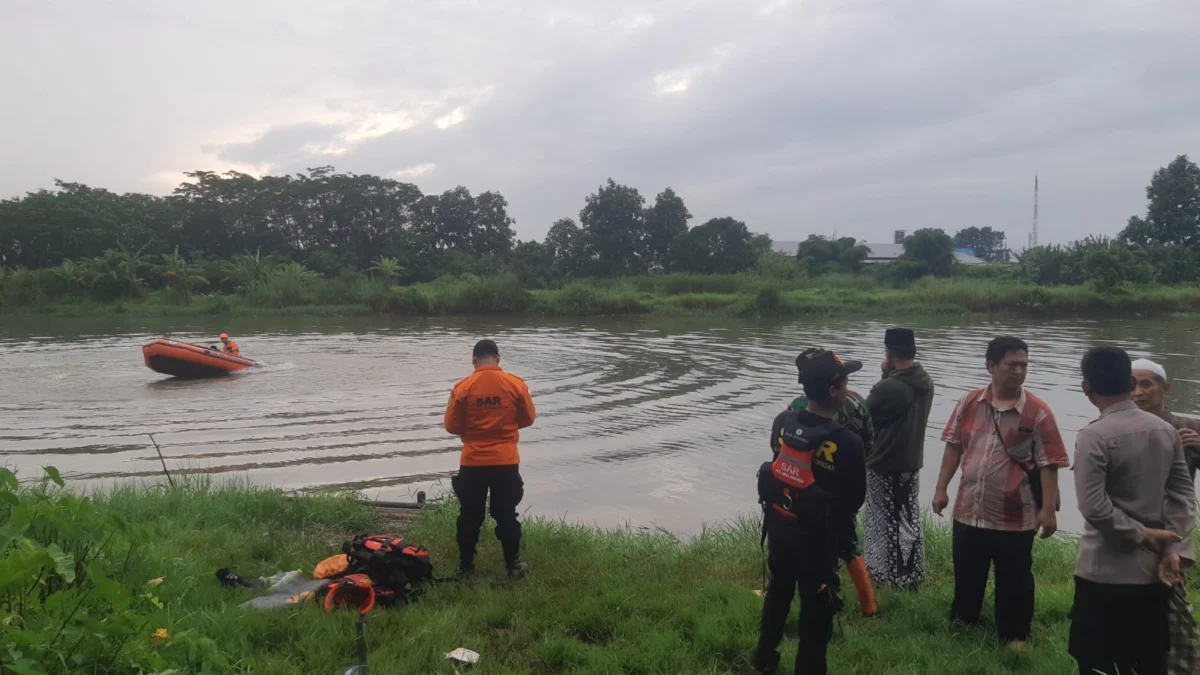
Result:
{"points": [[333, 566]]}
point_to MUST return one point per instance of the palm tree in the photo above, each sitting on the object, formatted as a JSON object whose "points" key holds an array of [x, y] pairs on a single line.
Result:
{"points": [[388, 268]]}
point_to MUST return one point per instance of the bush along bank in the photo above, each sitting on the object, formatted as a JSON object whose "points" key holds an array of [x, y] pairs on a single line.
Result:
{"points": [[746, 296], [124, 582]]}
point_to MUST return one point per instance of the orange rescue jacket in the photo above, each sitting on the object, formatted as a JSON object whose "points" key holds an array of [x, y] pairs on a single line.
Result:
{"points": [[487, 410], [231, 348]]}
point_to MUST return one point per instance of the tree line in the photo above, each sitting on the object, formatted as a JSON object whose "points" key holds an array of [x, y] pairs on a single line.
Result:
{"points": [[332, 221], [228, 232]]}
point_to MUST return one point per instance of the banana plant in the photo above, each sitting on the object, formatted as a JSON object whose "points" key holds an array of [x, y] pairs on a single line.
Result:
{"points": [[388, 268], [73, 275], [247, 270], [181, 274]]}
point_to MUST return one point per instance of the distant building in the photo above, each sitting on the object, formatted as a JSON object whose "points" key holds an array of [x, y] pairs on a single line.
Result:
{"points": [[881, 253]]}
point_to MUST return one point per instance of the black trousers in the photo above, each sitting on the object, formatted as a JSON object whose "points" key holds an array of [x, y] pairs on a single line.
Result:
{"points": [[805, 562], [975, 551], [1120, 629], [471, 485]]}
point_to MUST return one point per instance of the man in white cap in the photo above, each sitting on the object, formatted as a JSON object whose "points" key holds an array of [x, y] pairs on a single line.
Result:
{"points": [[1151, 387], [1150, 394]]}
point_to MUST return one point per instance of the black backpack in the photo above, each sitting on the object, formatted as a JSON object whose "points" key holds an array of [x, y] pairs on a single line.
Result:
{"points": [[398, 569], [787, 485]]}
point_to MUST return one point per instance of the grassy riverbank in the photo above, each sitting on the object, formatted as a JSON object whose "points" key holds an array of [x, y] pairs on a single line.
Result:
{"points": [[596, 602], [748, 296]]}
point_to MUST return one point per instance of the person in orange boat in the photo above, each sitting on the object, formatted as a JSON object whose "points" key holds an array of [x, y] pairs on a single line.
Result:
{"points": [[487, 410], [231, 347]]}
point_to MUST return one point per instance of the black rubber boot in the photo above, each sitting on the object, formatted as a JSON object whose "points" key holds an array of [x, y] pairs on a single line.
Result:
{"points": [[765, 661], [517, 570], [466, 568]]}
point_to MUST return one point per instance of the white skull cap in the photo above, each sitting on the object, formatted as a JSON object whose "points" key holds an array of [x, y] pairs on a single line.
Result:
{"points": [[1147, 364]]}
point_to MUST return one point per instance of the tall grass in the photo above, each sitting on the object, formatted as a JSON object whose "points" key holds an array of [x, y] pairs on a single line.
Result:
{"points": [[597, 601], [585, 299], [289, 288]]}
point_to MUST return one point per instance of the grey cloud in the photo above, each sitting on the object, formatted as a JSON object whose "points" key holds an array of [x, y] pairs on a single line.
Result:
{"points": [[862, 115]]}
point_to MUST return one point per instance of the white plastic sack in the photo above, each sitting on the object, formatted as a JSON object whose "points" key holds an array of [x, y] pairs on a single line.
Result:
{"points": [[465, 656]]}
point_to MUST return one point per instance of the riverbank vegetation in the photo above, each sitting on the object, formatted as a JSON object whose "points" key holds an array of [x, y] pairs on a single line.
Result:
{"points": [[333, 243], [124, 583]]}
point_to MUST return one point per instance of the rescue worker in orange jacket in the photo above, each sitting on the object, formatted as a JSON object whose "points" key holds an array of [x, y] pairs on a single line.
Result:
{"points": [[487, 410], [230, 347]]}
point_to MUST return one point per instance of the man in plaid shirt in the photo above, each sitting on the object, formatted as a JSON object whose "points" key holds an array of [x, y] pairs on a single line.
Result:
{"points": [[1150, 394], [1006, 441]]}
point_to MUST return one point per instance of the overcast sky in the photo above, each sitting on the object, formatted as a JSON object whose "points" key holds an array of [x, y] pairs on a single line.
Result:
{"points": [[797, 116]]}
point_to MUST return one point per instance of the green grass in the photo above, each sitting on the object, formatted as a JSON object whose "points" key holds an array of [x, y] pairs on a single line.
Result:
{"points": [[596, 601], [744, 295]]}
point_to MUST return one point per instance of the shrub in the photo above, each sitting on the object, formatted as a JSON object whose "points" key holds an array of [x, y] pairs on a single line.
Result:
{"points": [[766, 302], [583, 299], [62, 564], [286, 285], [901, 272], [406, 301], [776, 265], [501, 294], [1113, 264]]}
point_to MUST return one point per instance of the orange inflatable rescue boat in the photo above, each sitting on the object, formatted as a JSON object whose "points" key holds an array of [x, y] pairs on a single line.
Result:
{"points": [[187, 360]]}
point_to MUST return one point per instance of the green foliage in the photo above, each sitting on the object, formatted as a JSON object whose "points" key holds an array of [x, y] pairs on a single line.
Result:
{"points": [[285, 285], [586, 299], [932, 248], [180, 274], [598, 601], [767, 301], [330, 264], [1099, 261], [68, 600], [245, 271], [720, 246], [472, 294], [776, 265], [820, 255], [901, 272], [1050, 265], [387, 268], [532, 264], [989, 245], [665, 222], [682, 284], [1175, 264], [613, 222], [567, 248], [1111, 264], [1173, 209], [457, 221]]}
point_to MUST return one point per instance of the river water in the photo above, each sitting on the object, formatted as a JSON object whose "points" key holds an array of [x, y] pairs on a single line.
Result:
{"points": [[640, 423]]}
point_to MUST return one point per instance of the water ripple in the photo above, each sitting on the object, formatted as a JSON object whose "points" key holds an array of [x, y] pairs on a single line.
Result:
{"points": [[652, 422]]}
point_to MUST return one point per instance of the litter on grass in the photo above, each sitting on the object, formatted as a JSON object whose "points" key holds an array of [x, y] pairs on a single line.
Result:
{"points": [[464, 656]]}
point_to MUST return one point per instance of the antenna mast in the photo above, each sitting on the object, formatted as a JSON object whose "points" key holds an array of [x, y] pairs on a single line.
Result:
{"points": [[1033, 236]]}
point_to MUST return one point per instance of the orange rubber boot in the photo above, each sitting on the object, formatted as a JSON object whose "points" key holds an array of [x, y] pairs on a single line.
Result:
{"points": [[862, 586]]}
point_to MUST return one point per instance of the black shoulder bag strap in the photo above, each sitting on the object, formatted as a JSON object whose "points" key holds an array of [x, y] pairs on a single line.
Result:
{"points": [[1034, 475]]}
